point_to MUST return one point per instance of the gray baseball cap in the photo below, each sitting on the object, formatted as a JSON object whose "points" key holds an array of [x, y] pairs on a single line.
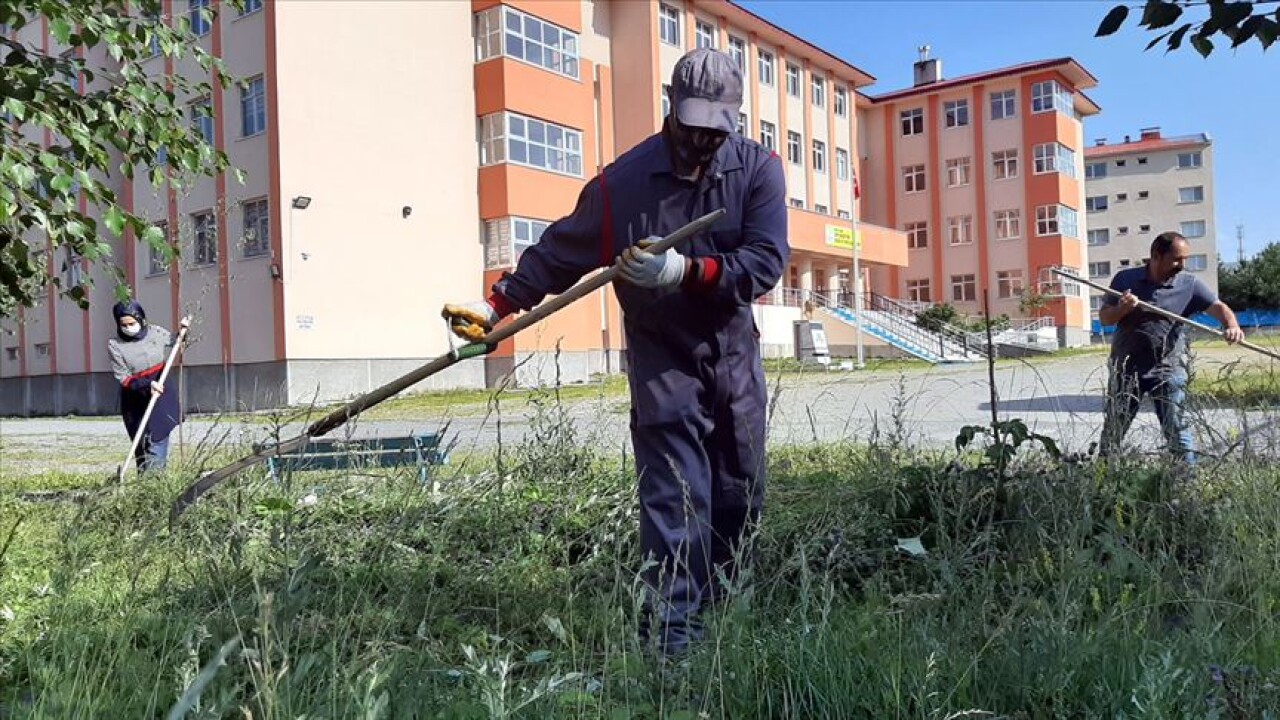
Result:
{"points": [[706, 90]]}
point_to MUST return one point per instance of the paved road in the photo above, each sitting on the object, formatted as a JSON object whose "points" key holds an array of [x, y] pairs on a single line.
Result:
{"points": [[1061, 398]]}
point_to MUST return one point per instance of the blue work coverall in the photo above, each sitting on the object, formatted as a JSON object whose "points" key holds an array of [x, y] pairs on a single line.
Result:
{"points": [[698, 393]]}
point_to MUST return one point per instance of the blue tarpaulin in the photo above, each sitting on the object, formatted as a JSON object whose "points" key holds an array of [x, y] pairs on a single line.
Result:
{"points": [[1248, 319]]}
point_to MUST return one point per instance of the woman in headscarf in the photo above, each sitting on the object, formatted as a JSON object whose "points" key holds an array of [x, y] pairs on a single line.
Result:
{"points": [[138, 354]]}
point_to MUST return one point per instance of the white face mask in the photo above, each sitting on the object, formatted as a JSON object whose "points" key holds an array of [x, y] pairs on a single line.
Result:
{"points": [[131, 330]]}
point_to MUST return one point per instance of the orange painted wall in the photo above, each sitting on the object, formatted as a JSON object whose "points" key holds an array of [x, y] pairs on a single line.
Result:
{"points": [[808, 231], [565, 13]]}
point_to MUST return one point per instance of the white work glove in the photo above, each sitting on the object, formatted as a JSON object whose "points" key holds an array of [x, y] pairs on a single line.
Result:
{"points": [[641, 267], [471, 321]]}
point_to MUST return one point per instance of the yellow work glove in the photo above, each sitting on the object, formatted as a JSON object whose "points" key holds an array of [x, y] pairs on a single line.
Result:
{"points": [[471, 321]]}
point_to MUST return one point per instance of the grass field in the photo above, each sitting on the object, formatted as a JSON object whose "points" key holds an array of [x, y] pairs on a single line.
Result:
{"points": [[1044, 589]]}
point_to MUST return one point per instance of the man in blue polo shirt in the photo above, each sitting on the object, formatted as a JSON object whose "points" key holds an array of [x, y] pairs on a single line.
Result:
{"points": [[1149, 353]]}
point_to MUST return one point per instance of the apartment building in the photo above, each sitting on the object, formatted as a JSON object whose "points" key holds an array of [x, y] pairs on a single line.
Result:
{"points": [[383, 182], [1139, 188], [985, 174]]}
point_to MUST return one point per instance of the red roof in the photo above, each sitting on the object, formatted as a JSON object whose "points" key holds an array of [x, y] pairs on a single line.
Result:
{"points": [[1156, 144], [1083, 79]]}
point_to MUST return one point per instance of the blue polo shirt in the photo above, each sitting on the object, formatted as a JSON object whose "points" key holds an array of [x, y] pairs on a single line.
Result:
{"points": [[1148, 345]]}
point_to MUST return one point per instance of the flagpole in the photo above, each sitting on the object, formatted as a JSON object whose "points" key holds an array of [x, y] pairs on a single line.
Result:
{"points": [[857, 266]]}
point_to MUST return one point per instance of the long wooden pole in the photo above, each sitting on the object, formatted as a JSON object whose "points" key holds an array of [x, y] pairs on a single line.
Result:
{"points": [[345, 413], [1165, 313], [151, 405]]}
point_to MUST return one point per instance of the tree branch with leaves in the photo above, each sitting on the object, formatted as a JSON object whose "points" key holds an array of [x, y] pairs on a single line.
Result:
{"points": [[1238, 22], [107, 116]]}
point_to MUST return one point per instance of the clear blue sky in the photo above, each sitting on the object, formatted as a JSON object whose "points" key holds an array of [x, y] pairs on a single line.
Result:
{"points": [[1234, 96]]}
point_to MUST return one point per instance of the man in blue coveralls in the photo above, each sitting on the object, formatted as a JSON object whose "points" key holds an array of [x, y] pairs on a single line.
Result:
{"points": [[1149, 353], [698, 401]]}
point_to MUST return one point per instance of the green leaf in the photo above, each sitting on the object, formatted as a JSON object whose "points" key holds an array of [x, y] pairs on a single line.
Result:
{"points": [[1247, 30], [114, 219], [538, 656], [1112, 21], [1160, 13], [17, 108], [61, 183], [1268, 32], [1156, 41], [24, 176], [1203, 45], [1175, 40], [61, 30]]}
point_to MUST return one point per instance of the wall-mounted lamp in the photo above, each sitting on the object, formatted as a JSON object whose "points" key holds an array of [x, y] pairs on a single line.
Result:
{"points": [[406, 211], [275, 271], [301, 202]]}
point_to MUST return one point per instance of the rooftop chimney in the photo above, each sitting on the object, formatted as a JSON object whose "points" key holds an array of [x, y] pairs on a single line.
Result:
{"points": [[1126, 138], [928, 70], [1100, 142], [1151, 133]]}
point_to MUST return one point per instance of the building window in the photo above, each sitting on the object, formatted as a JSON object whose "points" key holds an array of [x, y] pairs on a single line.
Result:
{"points": [[503, 30], [843, 214], [1190, 160], [842, 164], [1193, 229], [1008, 224], [764, 64], [202, 119], [964, 288], [1121, 197], [1100, 269], [913, 177], [738, 51], [1095, 303], [912, 121], [206, 238], [253, 107], [511, 138], [12, 353], [1049, 95], [1144, 194], [793, 80], [797, 203], [1188, 195], [918, 291], [1095, 203], [1004, 104], [842, 102], [1055, 220], [1006, 164], [1009, 283], [1142, 161], [42, 349], [1053, 286], [1122, 230], [506, 239], [958, 172], [256, 227], [1120, 163], [960, 230], [956, 113], [1197, 263], [767, 137], [1054, 157], [819, 156], [917, 235], [1100, 236], [1095, 171], [250, 6], [704, 35], [669, 25], [666, 100], [72, 269], [200, 16], [1144, 228], [793, 147], [818, 89], [157, 263], [820, 209], [742, 124]]}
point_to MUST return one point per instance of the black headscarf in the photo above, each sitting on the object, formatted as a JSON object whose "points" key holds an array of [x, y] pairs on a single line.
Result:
{"points": [[133, 309]]}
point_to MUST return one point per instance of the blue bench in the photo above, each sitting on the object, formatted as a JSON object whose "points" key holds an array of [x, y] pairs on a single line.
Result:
{"points": [[423, 450]]}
